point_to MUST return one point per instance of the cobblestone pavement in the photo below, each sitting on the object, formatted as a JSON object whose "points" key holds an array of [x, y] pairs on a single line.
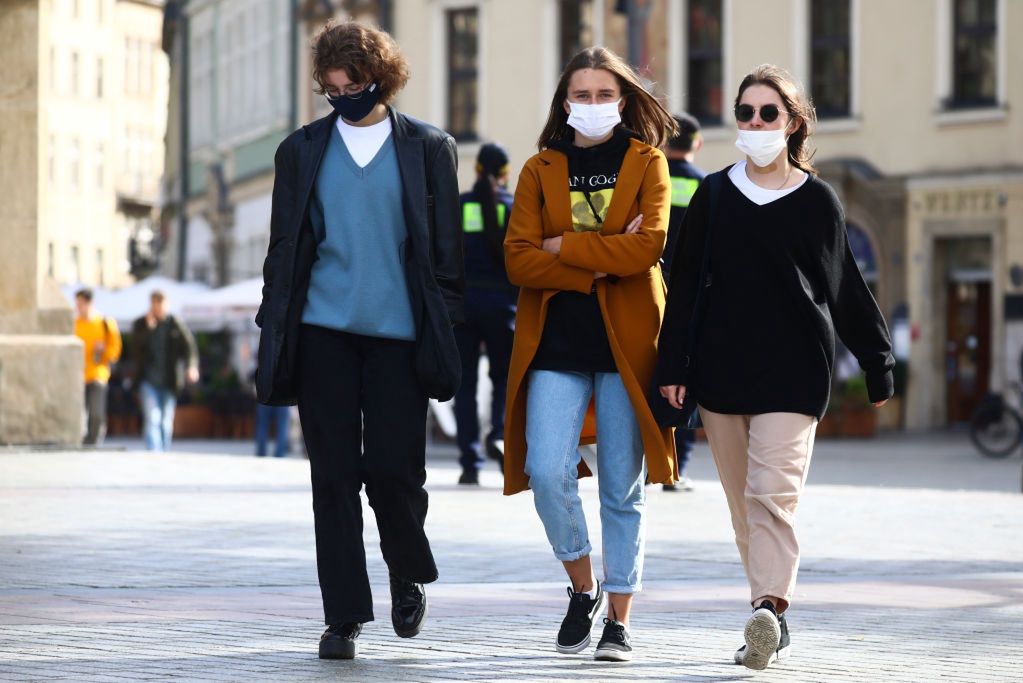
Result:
{"points": [[123, 565]]}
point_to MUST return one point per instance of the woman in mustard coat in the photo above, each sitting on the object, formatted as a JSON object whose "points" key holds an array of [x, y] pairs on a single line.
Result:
{"points": [[590, 219]]}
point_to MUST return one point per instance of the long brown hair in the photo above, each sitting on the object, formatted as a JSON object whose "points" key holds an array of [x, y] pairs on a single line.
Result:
{"points": [[642, 114], [796, 104]]}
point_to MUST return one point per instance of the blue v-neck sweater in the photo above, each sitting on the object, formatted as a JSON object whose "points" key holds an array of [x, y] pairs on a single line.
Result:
{"points": [[358, 283]]}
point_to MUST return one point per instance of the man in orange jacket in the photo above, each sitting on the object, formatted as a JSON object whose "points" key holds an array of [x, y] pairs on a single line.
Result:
{"points": [[102, 342]]}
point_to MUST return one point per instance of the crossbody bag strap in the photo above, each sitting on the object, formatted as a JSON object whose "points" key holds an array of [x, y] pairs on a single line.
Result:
{"points": [[706, 276]]}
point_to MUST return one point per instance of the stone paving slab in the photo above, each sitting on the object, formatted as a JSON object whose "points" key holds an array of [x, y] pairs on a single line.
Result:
{"points": [[120, 566]]}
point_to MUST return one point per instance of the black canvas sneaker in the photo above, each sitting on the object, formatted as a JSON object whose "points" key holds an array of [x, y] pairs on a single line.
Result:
{"points": [[574, 635], [764, 638], [784, 644], [614, 644], [338, 641]]}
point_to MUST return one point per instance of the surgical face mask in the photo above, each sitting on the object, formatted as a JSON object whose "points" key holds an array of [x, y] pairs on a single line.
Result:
{"points": [[762, 146], [594, 121], [355, 108]]}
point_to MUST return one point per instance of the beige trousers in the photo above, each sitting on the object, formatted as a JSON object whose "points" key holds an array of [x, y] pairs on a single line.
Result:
{"points": [[762, 461]]}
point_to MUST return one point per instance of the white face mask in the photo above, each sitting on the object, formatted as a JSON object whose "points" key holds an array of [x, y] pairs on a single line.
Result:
{"points": [[762, 146], [594, 120]]}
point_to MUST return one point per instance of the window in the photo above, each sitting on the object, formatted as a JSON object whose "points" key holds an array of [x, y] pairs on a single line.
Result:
{"points": [[74, 73], [49, 259], [99, 267], [974, 54], [74, 154], [75, 270], [463, 72], [74, 8], [576, 22], [99, 11], [830, 64], [704, 61], [53, 68], [99, 78], [99, 166]]}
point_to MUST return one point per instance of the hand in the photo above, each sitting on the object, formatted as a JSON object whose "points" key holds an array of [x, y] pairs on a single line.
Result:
{"points": [[597, 276], [880, 403], [193, 375], [633, 227], [675, 394], [552, 245]]}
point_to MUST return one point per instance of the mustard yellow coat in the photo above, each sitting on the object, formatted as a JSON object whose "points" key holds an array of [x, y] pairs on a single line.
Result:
{"points": [[632, 307]]}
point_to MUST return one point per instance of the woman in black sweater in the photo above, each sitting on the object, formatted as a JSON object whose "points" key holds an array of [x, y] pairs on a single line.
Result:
{"points": [[780, 281]]}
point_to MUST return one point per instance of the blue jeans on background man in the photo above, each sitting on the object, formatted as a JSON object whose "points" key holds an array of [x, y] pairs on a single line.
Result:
{"points": [[279, 416], [555, 408], [490, 320], [158, 404]]}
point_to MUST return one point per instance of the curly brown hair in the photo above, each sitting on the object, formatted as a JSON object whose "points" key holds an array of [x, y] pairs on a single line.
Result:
{"points": [[366, 54], [796, 104], [642, 114]]}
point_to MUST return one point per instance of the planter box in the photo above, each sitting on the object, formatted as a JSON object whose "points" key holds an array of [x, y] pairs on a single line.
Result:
{"points": [[193, 421]]}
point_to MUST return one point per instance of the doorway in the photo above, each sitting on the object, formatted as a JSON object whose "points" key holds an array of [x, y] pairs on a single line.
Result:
{"points": [[968, 347]]}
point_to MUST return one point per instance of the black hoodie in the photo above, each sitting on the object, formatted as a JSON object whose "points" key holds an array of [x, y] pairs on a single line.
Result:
{"points": [[574, 337]]}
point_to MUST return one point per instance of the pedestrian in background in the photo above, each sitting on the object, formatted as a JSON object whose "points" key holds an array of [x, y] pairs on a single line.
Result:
{"points": [[102, 345], [165, 358], [277, 417], [489, 310], [584, 241], [362, 281], [781, 282], [685, 178]]}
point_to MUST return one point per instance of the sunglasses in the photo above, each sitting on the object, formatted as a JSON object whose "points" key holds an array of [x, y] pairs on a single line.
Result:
{"points": [[768, 113]]}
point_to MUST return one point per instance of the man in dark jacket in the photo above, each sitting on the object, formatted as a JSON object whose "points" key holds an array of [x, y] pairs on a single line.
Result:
{"points": [[363, 280], [685, 178], [164, 355]]}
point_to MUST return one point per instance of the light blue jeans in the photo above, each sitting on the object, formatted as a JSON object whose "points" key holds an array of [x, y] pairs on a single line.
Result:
{"points": [[555, 406], [158, 406]]}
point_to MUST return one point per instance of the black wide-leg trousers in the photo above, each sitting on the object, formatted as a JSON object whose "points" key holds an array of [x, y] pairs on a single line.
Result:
{"points": [[364, 421]]}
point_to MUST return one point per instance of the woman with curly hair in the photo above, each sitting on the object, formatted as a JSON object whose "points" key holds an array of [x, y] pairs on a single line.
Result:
{"points": [[583, 244], [363, 280]]}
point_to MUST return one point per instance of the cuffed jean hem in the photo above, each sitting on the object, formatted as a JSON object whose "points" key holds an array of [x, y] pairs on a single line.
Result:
{"points": [[574, 555], [621, 590], [357, 619]]}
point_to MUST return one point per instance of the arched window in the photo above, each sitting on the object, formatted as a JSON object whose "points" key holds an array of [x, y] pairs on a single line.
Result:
{"points": [[863, 252]]}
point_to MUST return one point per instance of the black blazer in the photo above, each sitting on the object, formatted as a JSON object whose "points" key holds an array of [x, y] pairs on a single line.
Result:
{"points": [[428, 162]]}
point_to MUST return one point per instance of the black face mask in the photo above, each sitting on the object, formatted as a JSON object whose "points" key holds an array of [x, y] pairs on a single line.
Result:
{"points": [[356, 108]]}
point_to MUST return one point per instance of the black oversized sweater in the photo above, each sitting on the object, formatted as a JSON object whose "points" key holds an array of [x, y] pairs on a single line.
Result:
{"points": [[783, 282]]}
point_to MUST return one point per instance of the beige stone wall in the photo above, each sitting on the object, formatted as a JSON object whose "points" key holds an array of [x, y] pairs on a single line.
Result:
{"points": [[40, 360]]}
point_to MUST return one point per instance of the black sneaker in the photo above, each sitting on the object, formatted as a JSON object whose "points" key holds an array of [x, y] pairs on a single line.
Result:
{"points": [[495, 451], [764, 643], [469, 478], [614, 643], [784, 644], [574, 635], [408, 606], [338, 641]]}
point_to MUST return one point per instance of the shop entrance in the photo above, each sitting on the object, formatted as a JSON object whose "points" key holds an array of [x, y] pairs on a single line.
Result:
{"points": [[967, 294]]}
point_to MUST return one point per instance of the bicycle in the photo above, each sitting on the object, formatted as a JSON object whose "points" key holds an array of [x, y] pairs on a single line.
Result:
{"points": [[996, 428]]}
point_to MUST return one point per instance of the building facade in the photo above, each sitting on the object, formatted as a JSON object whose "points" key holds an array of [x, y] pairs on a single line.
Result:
{"points": [[104, 94], [919, 133]]}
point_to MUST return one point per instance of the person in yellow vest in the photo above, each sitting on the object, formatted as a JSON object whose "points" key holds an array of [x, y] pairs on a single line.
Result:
{"points": [[685, 178], [102, 343], [489, 310]]}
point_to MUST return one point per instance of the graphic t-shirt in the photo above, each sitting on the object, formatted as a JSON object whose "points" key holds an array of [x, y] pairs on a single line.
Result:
{"points": [[574, 337]]}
